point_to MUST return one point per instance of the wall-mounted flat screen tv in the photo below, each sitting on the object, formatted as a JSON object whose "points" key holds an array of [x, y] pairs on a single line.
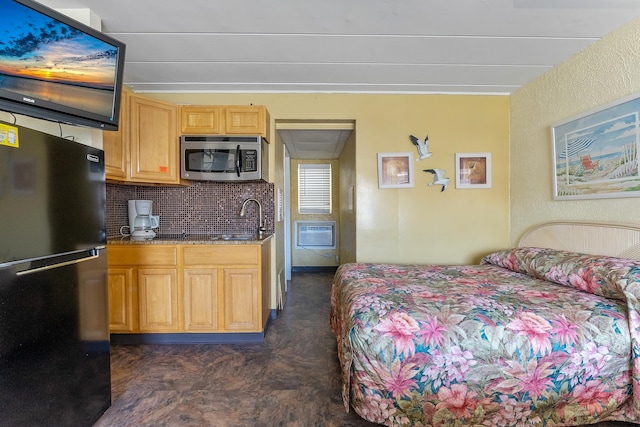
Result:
{"points": [[55, 68]]}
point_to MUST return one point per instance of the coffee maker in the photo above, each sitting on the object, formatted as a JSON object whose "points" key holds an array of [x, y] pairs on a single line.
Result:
{"points": [[141, 222]]}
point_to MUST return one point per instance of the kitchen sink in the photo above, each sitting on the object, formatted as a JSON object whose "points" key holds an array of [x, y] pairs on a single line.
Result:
{"points": [[228, 237]]}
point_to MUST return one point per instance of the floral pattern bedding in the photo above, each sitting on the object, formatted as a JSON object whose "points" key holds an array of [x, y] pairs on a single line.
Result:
{"points": [[530, 337]]}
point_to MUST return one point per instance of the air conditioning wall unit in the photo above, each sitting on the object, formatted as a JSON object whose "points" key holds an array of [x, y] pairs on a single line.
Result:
{"points": [[315, 234]]}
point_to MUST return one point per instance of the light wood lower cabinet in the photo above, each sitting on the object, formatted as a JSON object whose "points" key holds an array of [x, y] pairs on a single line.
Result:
{"points": [[122, 317], [201, 300], [241, 299], [234, 270], [188, 288], [158, 299]]}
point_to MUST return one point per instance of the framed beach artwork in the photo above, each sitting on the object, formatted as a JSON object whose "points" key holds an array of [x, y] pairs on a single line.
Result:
{"points": [[595, 155], [473, 170], [395, 170]]}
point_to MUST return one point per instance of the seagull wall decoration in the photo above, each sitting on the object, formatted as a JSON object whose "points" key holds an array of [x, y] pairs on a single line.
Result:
{"points": [[423, 147], [438, 178]]}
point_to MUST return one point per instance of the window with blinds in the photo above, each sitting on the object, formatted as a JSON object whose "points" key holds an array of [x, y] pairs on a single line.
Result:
{"points": [[314, 188]]}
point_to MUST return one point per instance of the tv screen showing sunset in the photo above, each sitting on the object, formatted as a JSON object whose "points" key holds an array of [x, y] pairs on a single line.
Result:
{"points": [[48, 60]]}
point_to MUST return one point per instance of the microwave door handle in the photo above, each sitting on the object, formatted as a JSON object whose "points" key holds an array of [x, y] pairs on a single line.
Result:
{"points": [[238, 161]]}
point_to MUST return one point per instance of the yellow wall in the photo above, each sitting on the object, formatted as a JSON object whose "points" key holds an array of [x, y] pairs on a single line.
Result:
{"points": [[348, 213], [419, 224], [83, 135], [606, 71]]}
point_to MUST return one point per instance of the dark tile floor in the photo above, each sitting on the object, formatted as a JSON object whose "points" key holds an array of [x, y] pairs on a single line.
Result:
{"points": [[291, 380]]}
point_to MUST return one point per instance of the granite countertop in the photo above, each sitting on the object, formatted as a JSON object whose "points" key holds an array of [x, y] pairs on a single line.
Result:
{"points": [[192, 239]]}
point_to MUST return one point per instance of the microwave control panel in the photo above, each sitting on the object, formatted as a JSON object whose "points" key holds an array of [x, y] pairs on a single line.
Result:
{"points": [[250, 161]]}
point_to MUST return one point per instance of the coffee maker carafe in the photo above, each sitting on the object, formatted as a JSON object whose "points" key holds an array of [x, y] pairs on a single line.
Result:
{"points": [[141, 222]]}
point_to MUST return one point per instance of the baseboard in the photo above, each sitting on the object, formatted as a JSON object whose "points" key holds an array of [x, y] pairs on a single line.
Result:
{"points": [[190, 338], [326, 269]]}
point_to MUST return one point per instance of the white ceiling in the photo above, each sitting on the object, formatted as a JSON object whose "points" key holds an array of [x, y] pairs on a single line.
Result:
{"points": [[372, 46], [315, 140], [413, 46]]}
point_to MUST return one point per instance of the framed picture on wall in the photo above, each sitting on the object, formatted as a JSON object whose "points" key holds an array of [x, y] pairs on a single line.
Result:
{"points": [[595, 154], [395, 170], [473, 170]]}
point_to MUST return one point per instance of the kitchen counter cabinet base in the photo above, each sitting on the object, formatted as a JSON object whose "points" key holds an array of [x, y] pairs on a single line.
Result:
{"points": [[196, 290]]}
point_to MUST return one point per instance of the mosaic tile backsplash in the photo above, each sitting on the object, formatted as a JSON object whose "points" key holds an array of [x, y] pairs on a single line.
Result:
{"points": [[202, 208]]}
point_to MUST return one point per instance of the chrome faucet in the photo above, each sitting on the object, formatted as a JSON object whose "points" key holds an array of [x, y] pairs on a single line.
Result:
{"points": [[261, 229]]}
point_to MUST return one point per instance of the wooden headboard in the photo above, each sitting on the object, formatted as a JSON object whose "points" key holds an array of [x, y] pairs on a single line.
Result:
{"points": [[619, 240]]}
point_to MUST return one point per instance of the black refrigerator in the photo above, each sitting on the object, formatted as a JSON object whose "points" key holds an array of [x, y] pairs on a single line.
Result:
{"points": [[54, 328]]}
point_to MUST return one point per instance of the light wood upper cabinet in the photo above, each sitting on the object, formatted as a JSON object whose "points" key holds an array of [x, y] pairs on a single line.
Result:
{"points": [[154, 144], [114, 144], [201, 120], [246, 120], [225, 120], [145, 148]]}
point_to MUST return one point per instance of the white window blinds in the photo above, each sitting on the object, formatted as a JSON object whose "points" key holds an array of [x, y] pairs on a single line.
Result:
{"points": [[314, 188]]}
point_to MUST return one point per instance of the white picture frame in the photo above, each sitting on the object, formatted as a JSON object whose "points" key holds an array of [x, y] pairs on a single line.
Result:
{"points": [[395, 170], [473, 170], [595, 154]]}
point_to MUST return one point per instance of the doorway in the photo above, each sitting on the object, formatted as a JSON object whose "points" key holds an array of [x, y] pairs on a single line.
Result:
{"points": [[313, 239]]}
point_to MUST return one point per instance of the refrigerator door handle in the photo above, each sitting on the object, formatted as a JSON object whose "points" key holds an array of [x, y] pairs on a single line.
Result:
{"points": [[94, 254]]}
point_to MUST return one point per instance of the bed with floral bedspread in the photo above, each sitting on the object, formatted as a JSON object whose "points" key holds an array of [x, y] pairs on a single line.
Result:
{"points": [[530, 337]]}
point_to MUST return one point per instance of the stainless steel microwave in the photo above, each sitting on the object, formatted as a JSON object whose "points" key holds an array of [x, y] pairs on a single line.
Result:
{"points": [[223, 158]]}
